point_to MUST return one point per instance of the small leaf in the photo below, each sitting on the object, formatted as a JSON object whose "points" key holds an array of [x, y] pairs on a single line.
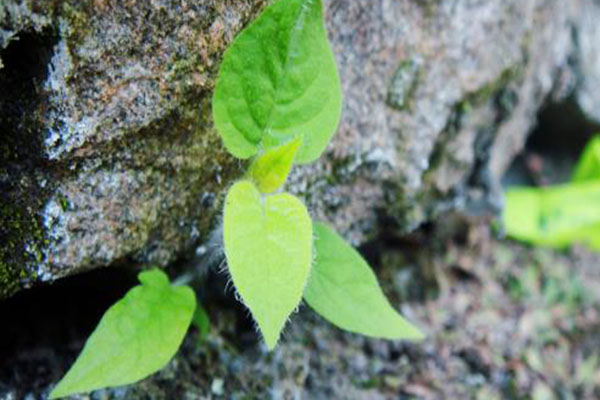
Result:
{"points": [[278, 80], [201, 321], [270, 170], [136, 337], [555, 216], [588, 167], [268, 244], [344, 290]]}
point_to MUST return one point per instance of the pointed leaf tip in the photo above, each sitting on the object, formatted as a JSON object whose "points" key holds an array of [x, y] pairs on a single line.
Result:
{"points": [[268, 245], [279, 80], [344, 290], [588, 166], [136, 337]]}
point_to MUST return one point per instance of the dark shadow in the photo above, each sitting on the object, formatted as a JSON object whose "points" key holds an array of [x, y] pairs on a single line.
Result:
{"points": [[26, 61], [554, 146], [562, 129], [43, 329]]}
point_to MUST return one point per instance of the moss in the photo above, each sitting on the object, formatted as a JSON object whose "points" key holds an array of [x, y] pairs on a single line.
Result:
{"points": [[77, 16], [490, 90], [404, 84], [13, 232], [429, 6], [182, 69], [411, 208], [179, 153], [8, 280], [493, 91], [22, 164], [22, 238]]}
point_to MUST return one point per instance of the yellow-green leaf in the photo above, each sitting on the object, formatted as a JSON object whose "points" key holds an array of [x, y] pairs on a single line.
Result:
{"points": [[588, 167], [136, 337], [270, 170], [268, 245], [202, 321], [344, 290], [555, 216]]}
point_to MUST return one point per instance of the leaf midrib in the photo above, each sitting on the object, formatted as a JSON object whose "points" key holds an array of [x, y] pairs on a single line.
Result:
{"points": [[293, 39]]}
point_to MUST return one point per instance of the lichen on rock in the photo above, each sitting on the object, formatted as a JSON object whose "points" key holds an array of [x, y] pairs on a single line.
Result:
{"points": [[111, 155]]}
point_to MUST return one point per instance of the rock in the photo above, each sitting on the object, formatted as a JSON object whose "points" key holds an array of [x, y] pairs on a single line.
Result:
{"points": [[588, 58], [110, 155]]}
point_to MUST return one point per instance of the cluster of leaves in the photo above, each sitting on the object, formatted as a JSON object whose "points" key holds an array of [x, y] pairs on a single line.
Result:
{"points": [[277, 99], [560, 215]]}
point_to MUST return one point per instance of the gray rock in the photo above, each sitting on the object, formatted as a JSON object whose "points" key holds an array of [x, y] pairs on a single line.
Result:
{"points": [[110, 155], [588, 56]]}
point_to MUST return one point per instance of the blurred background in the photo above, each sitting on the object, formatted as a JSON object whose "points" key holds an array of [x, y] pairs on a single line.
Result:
{"points": [[109, 163]]}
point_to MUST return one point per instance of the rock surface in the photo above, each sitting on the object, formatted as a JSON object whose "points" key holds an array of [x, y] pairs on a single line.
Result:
{"points": [[109, 154]]}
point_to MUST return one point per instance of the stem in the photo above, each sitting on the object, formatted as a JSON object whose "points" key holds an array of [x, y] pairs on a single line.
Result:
{"points": [[184, 279]]}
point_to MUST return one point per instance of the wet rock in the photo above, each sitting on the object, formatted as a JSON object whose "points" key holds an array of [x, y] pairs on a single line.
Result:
{"points": [[109, 154]]}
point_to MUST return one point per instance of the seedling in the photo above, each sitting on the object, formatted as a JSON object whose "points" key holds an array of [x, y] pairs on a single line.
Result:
{"points": [[278, 100]]}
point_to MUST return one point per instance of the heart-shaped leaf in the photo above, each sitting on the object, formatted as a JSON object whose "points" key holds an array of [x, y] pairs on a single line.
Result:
{"points": [[136, 337], [344, 290], [270, 170], [268, 244], [279, 80]]}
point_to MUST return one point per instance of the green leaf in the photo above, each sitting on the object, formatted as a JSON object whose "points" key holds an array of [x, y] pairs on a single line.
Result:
{"points": [[556, 216], [136, 337], [201, 321], [278, 80], [588, 167], [268, 245], [270, 170], [344, 290]]}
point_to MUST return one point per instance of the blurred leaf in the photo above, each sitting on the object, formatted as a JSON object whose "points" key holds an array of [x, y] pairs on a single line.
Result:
{"points": [[136, 337], [588, 167], [560, 215], [555, 216], [201, 321]]}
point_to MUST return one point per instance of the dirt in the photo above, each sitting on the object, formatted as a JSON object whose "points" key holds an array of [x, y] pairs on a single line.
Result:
{"points": [[503, 321]]}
